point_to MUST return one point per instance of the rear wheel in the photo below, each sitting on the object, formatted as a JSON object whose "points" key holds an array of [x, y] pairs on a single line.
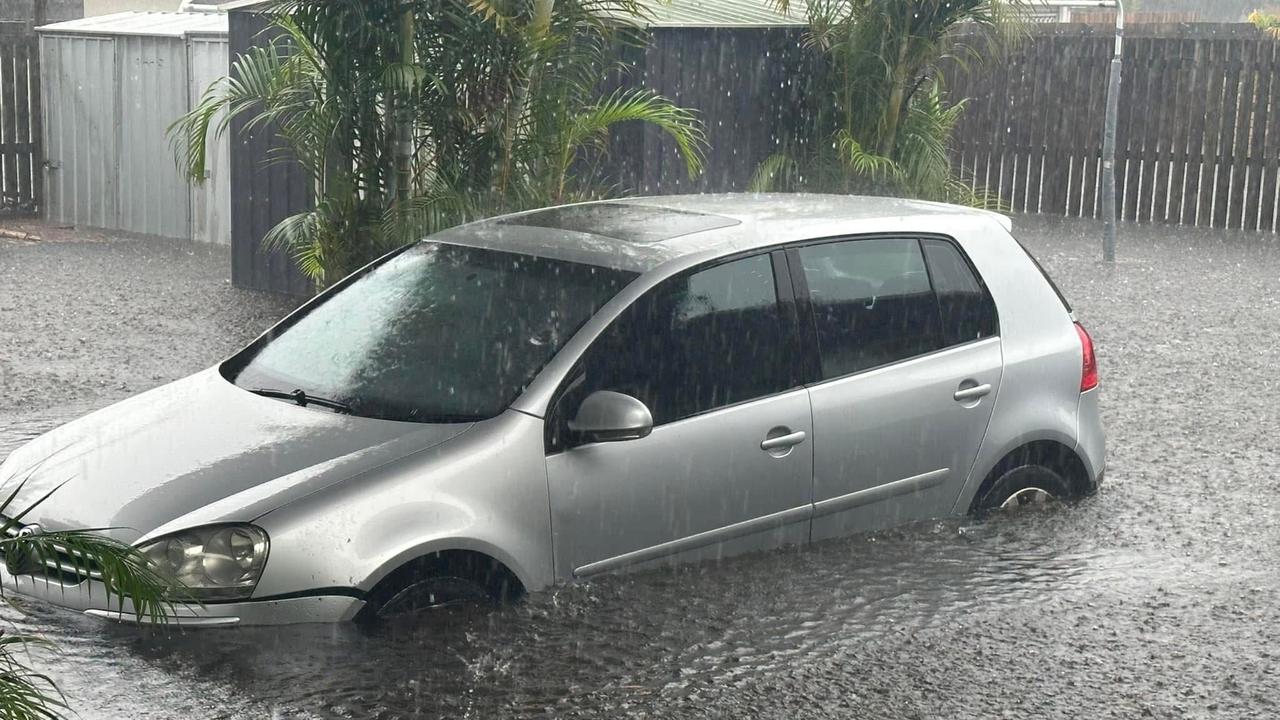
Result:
{"points": [[1022, 486]]}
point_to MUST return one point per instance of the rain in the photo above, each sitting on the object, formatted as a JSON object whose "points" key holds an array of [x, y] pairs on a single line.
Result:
{"points": [[662, 453]]}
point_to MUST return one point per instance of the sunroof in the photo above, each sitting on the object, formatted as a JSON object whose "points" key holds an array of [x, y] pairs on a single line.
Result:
{"points": [[624, 221]]}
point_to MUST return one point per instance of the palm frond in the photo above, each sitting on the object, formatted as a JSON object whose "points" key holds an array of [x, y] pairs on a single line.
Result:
{"points": [[681, 125], [257, 78], [130, 580], [29, 695], [301, 236], [779, 171], [126, 575], [503, 101], [863, 162]]}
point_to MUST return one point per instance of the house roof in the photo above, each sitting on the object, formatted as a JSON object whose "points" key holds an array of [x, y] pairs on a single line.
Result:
{"points": [[153, 24], [725, 13], [676, 13], [755, 13]]}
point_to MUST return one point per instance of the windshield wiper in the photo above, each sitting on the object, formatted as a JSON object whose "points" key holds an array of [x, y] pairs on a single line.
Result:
{"points": [[303, 399]]}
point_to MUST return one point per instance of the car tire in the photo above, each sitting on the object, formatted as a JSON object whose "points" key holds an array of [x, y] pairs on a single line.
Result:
{"points": [[1024, 485], [440, 582], [431, 594]]}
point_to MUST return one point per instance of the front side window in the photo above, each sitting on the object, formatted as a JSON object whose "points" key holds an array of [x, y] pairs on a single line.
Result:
{"points": [[872, 303], [438, 333], [694, 344]]}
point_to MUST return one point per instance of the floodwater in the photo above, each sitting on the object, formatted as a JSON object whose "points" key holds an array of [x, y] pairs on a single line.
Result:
{"points": [[1159, 597]]}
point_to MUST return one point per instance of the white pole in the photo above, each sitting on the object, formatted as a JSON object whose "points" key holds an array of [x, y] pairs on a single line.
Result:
{"points": [[1109, 143]]}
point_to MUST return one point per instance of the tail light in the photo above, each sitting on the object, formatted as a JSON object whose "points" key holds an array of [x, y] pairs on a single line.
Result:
{"points": [[1089, 370]]}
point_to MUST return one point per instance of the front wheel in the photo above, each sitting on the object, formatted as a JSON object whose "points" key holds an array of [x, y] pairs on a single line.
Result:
{"points": [[1023, 486], [441, 581], [434, 593]]}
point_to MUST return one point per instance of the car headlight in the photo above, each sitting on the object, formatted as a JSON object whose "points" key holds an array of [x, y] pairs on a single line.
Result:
{"points": [[219, 562]]}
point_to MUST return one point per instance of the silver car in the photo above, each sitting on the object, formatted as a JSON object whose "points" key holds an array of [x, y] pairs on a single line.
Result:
{"points": [[549, 396]]}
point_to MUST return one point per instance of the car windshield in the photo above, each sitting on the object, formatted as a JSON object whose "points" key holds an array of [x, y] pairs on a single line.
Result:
{"points": [[438, 333]]}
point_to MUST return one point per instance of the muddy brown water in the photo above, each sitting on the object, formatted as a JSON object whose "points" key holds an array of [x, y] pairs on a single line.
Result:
{"points": [[1160, 597]]}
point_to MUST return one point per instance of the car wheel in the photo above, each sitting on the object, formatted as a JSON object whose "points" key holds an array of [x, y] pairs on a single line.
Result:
{"points": [[1023, 486], [432, 594]]}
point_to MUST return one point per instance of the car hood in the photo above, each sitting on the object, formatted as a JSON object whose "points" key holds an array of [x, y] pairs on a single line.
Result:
{"points": [[141, 463]]}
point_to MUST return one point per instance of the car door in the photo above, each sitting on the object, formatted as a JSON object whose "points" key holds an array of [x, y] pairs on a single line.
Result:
{"points": [[910, 364], [728, 466]]}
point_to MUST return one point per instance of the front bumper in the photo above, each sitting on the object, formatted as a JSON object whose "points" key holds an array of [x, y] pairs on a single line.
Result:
{"points": [[92, 598]]}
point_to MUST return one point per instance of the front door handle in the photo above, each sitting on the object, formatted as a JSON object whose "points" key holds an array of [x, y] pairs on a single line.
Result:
{"points": [[973, 393], [784, 441]]}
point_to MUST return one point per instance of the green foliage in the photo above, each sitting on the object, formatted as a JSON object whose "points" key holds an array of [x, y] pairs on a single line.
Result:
{"points": [[881, 122], [1268, 22], [126, 575], [495, 106]]}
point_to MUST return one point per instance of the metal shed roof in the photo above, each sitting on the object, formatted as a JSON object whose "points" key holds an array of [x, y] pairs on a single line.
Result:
{"points": [[152, 24]]}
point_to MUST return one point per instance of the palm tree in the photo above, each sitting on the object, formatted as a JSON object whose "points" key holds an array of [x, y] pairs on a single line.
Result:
{"points": [[1266, 21], [411, 116], [882, 122]]}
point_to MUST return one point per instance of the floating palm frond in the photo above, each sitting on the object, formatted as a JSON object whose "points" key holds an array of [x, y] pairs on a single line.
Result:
{"points": [[129, 580]]}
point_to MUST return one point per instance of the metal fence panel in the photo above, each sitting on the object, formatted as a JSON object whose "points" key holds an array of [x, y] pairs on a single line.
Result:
{"points": [[211, 200], [262, 194], [112, 87], [154, 198], [80, 92]]}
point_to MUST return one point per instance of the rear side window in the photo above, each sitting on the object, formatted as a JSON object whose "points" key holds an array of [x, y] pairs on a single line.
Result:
{"points": [[872, 303], [967, 311], [694, 344]]}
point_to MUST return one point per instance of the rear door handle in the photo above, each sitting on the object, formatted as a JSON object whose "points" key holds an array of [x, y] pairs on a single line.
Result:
{"points": [[972, 393], [784, 441]]}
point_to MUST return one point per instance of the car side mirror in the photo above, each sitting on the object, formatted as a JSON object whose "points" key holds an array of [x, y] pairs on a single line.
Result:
{"points": [[607, 416]]}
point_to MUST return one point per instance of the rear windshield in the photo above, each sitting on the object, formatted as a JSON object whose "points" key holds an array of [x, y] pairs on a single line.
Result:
{"points": [[438, 333], [1045, 273]]}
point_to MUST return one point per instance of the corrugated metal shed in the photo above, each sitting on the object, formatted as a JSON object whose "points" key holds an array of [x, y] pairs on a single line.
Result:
{"points": [[112, 87]]}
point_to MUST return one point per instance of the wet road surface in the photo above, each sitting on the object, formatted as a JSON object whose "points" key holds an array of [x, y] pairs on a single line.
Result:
{"points": [[1160, 597]]}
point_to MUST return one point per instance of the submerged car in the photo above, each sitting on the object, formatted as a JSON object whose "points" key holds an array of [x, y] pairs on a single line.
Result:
{"points": [[552, 395]]}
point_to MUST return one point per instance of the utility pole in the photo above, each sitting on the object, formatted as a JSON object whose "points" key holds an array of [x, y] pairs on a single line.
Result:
{"points": [[1109, 143]]}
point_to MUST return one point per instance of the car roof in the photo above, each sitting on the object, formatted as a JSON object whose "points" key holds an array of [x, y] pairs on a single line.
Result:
{"points": [[641, 233]]}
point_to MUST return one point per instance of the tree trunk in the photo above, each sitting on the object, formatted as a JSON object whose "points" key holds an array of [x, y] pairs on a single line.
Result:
{"points": [[403, 147], [539, 26], [897, 98]]}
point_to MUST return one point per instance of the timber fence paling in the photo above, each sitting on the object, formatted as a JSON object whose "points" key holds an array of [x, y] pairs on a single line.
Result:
{"points": [[21, 143]]}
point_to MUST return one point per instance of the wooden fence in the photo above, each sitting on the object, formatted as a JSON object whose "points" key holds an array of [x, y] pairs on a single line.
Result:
{"points": [[1199, 129], [21, 144], [1199, 133], [1108, 17]]}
